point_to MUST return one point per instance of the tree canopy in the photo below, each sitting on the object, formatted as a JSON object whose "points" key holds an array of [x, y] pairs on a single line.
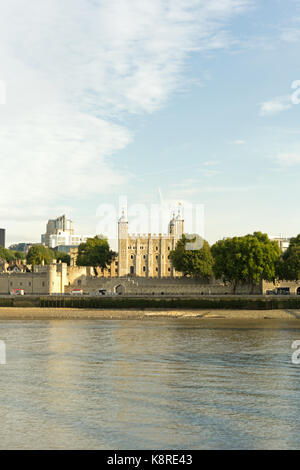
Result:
{"points": [[38, 254], [194, 263], [288, 267], [247, 259], [62, 256], [95, 252], [10, 255]]}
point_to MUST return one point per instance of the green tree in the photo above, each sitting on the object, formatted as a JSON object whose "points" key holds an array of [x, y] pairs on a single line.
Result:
{"points": [[37, 254], [18, 255], [194, 263], [227, 254], [288, 267], [248, 259], [95, 252], [62, 256], [10, 255]]}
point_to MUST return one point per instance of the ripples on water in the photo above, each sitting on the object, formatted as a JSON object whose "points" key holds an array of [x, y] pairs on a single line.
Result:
{"points": [[147, 384]]}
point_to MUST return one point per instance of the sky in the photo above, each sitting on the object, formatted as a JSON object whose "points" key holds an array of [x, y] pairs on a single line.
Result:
{"points": [[155, 102]]}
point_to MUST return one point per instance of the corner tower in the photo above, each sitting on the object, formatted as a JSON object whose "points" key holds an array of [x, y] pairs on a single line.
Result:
{"points": [[176, 226], [179, 225]]}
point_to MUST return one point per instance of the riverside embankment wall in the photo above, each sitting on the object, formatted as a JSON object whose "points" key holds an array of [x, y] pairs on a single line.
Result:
{"points": [[167, 302]]}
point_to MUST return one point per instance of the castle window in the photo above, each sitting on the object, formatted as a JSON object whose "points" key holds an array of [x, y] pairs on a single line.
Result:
{"points": [[169, 269], [29, 283], [131, 256], [156, 269], [144, 268], [168, 248], [43, 284], [156, 257], [20, 283], [79, 282], [168, 257], [156, 248], [116, 263], [144, 256], [131, 269]]}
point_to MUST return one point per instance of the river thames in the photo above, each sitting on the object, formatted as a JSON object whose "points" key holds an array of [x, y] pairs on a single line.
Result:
{"points": [[147, 384]]}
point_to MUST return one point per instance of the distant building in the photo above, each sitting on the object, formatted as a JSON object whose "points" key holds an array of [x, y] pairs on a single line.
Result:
{"points": [[2, 237], [64, 248], [55, 227], [283, 243], [23, 247], [60, 232]]}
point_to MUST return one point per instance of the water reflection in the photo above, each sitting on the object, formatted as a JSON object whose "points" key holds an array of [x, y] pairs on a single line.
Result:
{"points": [[147, 384]]}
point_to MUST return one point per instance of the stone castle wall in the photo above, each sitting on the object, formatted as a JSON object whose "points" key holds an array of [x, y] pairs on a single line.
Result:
{"points": [[59, 279], [154, 286], [46, 279], [293, 285]]}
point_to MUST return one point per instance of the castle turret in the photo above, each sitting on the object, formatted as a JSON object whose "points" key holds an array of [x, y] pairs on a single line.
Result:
{"points": [[179, 225], [172, 224], [176, 226], [123, 245]]}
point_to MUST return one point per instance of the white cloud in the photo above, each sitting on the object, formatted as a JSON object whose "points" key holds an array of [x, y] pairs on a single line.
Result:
{"points": [[275, 105], [192, 190], [73, 69], [290, 35], [211, 163], [288, 159], [239, 142]]}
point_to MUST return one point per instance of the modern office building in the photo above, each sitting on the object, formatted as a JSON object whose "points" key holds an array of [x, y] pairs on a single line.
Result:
{"points": [[2, 237], [58, 226], [60, 232], [283, 243]]}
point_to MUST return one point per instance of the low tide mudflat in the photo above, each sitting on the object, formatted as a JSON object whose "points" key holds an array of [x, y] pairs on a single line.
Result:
{"points": [[206, 317]]}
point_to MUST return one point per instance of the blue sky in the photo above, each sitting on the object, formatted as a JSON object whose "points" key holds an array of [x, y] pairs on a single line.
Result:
{"points": [[185, 100]]}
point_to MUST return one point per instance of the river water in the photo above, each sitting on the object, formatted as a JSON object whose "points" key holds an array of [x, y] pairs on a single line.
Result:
{"points": [[147, 384]]}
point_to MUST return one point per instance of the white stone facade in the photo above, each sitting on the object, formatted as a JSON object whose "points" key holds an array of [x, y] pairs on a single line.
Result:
{"points": [[148, 255]]}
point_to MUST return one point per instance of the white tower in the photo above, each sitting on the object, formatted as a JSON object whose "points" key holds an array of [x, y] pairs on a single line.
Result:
{"points": [[123, 245]]}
